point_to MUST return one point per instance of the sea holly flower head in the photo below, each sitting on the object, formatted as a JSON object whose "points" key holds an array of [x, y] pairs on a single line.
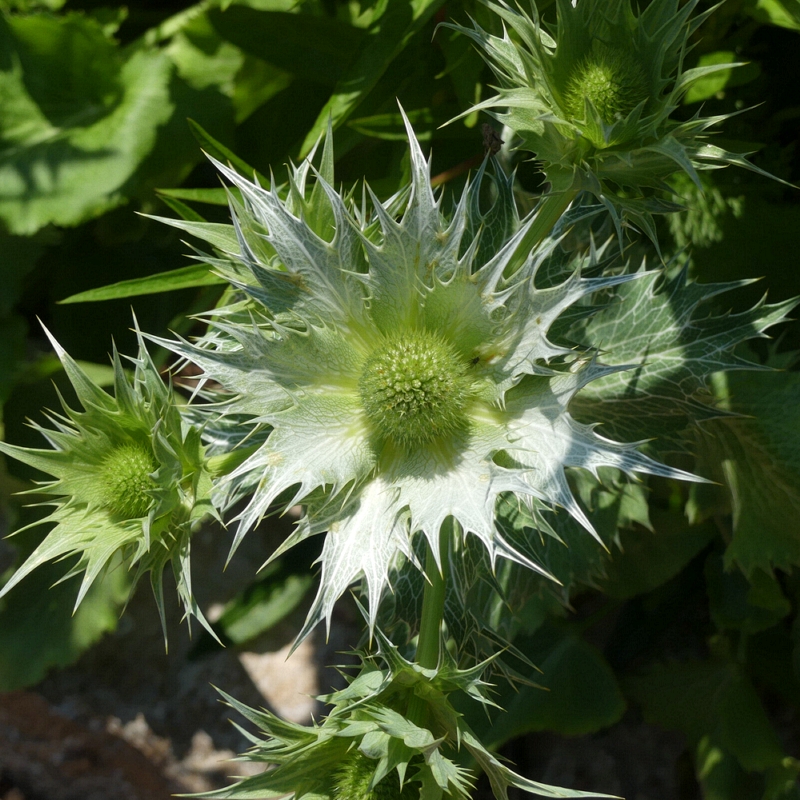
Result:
{"points": [[593, 98], [406, 379], [129, 479]]}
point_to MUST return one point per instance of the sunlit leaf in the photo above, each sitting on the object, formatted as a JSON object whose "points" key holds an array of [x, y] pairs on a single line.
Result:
{"points": [[78, 119]]}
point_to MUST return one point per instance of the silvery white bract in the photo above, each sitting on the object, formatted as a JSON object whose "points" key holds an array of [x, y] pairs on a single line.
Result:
{"points": [[404, 382]]}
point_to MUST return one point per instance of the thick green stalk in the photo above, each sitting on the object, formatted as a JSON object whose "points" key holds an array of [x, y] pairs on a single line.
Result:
{"points": [[433, 602], [430, 627]]}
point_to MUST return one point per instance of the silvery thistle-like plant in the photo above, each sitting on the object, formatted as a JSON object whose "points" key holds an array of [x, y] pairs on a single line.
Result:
{"points": [[130, 482], [405, 385], [593, 97]]}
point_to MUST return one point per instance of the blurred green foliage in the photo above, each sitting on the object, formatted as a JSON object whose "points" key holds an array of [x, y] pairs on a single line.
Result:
{"points": [[104, 105]]}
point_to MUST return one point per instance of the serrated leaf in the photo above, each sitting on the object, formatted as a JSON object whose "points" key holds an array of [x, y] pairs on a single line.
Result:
{"points": [[668, 334]]}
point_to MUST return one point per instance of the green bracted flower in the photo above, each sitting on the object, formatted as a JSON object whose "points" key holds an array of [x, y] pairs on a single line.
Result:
{"points": [[592, 98], [405, 382], [129, 478], [371, 747]]}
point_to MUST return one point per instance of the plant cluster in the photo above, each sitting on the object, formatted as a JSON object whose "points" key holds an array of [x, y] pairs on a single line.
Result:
{"points": [[479, 408]]}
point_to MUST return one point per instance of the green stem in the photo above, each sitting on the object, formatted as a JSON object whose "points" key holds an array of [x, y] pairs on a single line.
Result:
{"points": [[433, 603], [430, 627], [547, 215]]}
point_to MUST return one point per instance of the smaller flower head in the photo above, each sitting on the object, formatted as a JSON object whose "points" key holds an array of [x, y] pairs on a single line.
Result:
{"points": [[129, 478], [373, 746], [593, 98]]}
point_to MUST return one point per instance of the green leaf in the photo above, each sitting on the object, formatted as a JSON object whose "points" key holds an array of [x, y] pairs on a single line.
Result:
{"points": [[68, 93], [746, 729], [390, 126], [389, 33], [264, 604], [317, 48], [181, 278], [256, 83], [611, 503], [783, 782], [182, 210], [203, 58], [39, 629], [710, 699], [757, 459], [224, 154], [720, 73], [736, 604], [649, 558], [785, 13], [576, 691], [214, 197], [99, 374], [218, 234]]}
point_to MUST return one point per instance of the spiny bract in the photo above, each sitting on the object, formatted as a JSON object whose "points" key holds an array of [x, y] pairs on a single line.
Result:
{"points": [[404, 381]]}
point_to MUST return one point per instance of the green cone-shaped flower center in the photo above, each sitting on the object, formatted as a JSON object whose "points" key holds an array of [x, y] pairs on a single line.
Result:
{"points": [[125, 480], [611, 79], [413, 389]]}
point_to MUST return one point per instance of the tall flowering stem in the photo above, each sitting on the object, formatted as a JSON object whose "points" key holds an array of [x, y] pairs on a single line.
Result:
{"points": [[429, 641], [436, 573]]}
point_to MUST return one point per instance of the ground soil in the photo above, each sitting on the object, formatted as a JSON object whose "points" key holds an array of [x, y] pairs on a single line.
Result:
{"points": [[130, 721]]}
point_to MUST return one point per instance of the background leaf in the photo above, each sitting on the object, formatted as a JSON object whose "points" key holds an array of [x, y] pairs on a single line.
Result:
{"points": [[78, 119], [757, 458], [39, 630]]}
